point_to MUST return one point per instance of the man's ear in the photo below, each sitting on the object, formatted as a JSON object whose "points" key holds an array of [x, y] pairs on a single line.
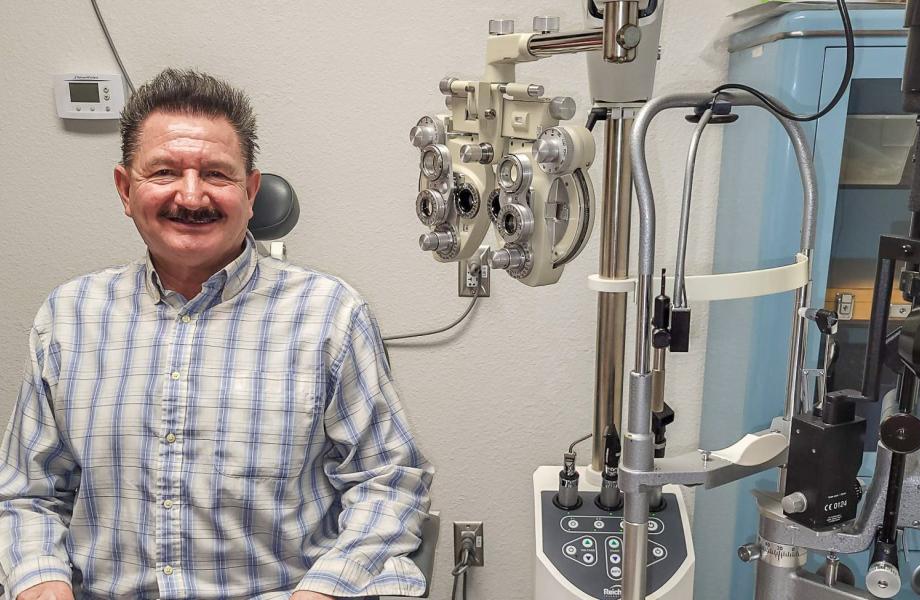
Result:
{"points": [[253, 181], [123, 185]]}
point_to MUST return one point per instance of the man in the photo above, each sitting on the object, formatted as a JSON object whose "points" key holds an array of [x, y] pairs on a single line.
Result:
{"points": [[206, 422]]}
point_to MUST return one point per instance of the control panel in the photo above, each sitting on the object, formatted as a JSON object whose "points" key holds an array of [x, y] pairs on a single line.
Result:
{"points": [[580, 552], [89, 96], [585, 547]]}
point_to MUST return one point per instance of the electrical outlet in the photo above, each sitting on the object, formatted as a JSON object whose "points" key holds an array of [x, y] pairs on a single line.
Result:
{"points": [[475, 268], [469, 530]]}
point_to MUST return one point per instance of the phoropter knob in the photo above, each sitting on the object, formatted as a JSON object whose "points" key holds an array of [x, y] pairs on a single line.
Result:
{"points": [[562, 108], [501, 26], [545, 24], [505, 258], [435, 240], [478, 153], [547, 151], [423, 135]]}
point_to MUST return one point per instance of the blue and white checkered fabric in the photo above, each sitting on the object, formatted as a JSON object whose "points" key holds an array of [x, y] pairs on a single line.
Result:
{"points": [[243, 444]]}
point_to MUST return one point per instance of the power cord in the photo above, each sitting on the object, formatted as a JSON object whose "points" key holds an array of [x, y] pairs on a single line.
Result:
{"points": [[108, 38], [844, 84], [680, 287], [462, 567], [469, 309]]}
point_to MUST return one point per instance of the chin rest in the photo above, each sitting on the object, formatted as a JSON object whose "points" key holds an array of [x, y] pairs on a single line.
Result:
{"points": [[275, 210]]}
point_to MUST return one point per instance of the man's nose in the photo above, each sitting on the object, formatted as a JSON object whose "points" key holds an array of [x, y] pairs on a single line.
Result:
{"points": [[191, 195]]}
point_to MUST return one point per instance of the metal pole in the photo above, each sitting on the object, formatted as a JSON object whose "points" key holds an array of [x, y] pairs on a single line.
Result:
{"points": [[551, 44], [614, 263]]}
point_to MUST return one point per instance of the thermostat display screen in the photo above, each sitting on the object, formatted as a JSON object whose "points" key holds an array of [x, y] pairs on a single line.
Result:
{"points": [[84, 92]]}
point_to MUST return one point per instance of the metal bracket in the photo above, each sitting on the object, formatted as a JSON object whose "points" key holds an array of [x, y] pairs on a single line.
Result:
{"points": [[472, 270]]}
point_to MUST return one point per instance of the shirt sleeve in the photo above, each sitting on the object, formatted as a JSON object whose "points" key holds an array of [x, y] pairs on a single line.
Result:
{"points": [[38, 479], [380, 474]]}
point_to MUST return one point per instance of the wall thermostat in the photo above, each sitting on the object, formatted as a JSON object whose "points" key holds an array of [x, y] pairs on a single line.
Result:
{"points": [[89, 96]]}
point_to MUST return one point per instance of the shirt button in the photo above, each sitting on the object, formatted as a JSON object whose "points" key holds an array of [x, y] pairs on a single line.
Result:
{"points": [[175, 375], [167, 504], [170, 437], [186, 319], [168, 570]]}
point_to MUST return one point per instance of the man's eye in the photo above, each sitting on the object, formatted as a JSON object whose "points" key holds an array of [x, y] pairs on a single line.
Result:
{"points": [[163, 173], [216, 174]]}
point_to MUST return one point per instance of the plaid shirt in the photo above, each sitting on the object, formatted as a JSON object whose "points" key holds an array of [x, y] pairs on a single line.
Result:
{"points": [[244, 444]]}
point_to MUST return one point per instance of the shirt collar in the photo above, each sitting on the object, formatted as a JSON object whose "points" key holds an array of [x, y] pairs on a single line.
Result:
{"points": [[228, 282]]}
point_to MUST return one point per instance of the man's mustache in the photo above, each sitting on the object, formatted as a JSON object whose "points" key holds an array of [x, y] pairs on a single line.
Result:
{"points": [[185, 215]]}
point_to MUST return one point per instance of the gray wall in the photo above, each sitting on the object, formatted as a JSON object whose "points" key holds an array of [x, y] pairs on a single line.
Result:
{"points": [[336, 94]]}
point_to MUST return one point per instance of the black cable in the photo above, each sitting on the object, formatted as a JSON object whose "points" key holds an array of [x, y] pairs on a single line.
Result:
{"points": [[644, 13], [844, 84], [649, 10], [108, 38], [593, 10]]}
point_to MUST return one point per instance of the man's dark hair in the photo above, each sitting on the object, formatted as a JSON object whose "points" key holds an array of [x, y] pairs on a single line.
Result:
{"points": [[189, 92]]}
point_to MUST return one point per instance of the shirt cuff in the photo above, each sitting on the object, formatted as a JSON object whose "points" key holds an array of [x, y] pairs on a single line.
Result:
{"points": [[342, 577], [34, 571]]}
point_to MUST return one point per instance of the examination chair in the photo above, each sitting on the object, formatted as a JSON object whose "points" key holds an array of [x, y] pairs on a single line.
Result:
{"points": [[275, 213]]}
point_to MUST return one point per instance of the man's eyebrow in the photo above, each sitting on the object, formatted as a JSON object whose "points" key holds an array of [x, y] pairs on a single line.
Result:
{"points": [[218, 164]]}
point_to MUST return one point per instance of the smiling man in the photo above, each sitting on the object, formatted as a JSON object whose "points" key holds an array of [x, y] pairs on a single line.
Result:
{"points": [[205, 422]]}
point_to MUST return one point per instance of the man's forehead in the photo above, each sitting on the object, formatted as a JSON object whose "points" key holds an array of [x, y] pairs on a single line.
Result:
{"points": [[163, 133]]}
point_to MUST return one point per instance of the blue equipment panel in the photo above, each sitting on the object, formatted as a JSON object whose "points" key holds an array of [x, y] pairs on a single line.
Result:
{"points": [[799, 58]]}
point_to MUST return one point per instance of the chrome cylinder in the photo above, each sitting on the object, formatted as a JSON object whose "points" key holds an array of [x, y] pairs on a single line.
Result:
{"points": [[435, 240], [551, 44], [610, 352], [635, 572], [832, 569], [621, 30], [507, 259]]}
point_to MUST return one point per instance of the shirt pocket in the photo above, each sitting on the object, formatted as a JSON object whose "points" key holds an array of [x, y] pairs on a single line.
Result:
{"points": [[265, 426]]}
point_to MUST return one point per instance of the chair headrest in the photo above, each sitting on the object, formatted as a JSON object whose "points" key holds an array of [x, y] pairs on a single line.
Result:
{"points": [[275, 211]]}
